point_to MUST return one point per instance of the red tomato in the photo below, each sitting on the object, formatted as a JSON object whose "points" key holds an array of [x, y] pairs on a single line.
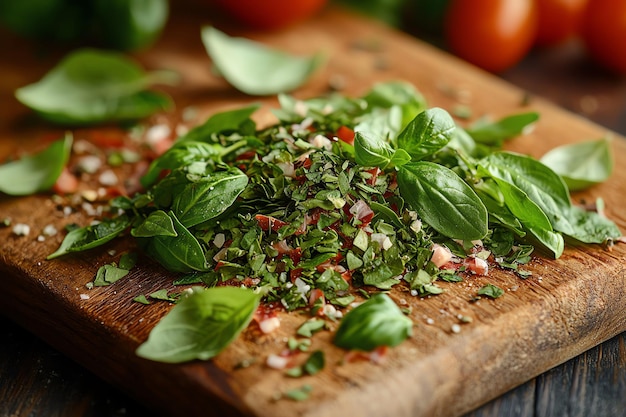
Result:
{"points": [[270, 14], [559, 20], [346, 134], [604, 33], [492, 34]]}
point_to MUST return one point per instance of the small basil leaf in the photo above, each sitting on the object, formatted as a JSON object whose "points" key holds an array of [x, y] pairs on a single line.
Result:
{"points": [[443, 200], [494, 134], [37, 172], [400, 157], [206, 199], [201, 325], [581, 165], [91, 86], [377, 322], [181, 253], [372, 151], [158, 223], [254, 68], [92, 236], [430, 131]]}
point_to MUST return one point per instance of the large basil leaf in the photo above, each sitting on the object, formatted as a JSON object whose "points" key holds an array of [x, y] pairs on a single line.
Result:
{"points": [[209, 197], [494, 134], [201, 325], [377, 322], [443, 200], [254, 68], [92, 236], [581, 165], [430, 131], [542, 185], [180, 253], [37, 172], [531, 216], [92, 86]]}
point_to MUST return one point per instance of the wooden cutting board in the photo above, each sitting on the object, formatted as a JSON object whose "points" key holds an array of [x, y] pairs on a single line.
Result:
{"points": [[566, 307]]}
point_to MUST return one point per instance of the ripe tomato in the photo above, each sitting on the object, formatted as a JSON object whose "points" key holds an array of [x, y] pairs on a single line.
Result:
{"points": [[604, 33], [558, 20], [492, 34], [270, 14]]}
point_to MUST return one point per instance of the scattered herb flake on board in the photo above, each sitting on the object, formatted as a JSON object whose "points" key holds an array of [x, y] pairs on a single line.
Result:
{"points": [[141, 299], [340, 199], [491, 291]]}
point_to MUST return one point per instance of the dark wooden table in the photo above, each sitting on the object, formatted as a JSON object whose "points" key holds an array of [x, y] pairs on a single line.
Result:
{"points": [[36, 380]]}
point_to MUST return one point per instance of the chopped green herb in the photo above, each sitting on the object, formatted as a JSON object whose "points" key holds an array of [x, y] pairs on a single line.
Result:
{"points": [[311, 326], [297, 394], [109, 274], [142, 299], [340, 198], [491, 291]]}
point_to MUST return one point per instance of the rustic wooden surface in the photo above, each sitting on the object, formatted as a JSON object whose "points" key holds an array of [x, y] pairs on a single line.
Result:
{"points": [[541, 324]]}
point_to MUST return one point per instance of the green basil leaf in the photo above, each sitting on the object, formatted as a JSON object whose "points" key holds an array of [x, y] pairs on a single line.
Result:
{"points": [[37, 172], [462, 141], [201, 325], [591, 227], [443, 200], [397, 93], [581, 165], [377, 322], [542, 185], [372, 151], [254, 68], [532, 218], [494, 134], [430, 131], [384, 123], [158, 223], [208, 198], [92, 236], [182, 253], [500, 213], [237, 120], [91, 86]]}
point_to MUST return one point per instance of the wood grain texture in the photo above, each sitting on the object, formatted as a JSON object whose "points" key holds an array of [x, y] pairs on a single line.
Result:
{"points": [[567, 307]]}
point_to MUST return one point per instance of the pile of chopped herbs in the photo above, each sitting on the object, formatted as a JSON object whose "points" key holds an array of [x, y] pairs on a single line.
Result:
{"points": [[342, 196]]}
